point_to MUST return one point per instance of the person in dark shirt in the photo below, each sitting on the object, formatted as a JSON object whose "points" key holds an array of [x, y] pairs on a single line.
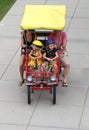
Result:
{"points": [[50, 55], [27, 37]]}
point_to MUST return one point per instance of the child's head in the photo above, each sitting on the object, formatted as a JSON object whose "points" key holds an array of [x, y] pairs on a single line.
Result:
{"points": [[36, 44], [50, 43]]}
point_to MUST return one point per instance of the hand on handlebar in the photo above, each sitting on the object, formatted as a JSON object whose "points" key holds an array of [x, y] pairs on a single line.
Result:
{"points": [[24, 46], [51, 59]]}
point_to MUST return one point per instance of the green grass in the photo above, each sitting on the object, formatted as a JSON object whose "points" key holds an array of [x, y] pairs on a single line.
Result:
{"points": [[5, 5]]}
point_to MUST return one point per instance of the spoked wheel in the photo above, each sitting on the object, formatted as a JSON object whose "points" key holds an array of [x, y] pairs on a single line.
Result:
{"points": [[54, 94], [29, 94]]}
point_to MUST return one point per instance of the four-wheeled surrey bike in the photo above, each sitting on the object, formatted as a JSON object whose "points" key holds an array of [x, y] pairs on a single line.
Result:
{"points": [[43, 19]]}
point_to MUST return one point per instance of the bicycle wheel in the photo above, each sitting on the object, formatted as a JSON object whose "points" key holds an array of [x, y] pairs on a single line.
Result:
{"points": [[54, 94], [29, 94]]}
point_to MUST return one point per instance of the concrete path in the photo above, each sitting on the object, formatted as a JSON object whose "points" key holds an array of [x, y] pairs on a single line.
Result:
{"points": [[71, 111]]}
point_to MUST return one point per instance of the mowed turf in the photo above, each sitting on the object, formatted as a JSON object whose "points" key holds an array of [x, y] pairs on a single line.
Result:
{"points": [[5, 5]]}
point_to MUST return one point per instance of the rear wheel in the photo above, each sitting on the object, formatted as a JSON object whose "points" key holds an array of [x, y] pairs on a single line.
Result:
{"points": [[54, 94], [29, 94]]}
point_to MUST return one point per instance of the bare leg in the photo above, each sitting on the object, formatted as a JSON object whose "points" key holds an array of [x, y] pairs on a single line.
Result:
{"points": [[65, 72], [54, 66], [21, 70], [45, 66]]}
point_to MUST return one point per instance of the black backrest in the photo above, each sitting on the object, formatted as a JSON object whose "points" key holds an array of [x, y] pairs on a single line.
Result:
{"points": [[42, 35]]}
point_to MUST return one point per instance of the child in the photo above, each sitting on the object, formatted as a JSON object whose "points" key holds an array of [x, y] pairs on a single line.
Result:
{"points": [[50, 55], [35, 56]]}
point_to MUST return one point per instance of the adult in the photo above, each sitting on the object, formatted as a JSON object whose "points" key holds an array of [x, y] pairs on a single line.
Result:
{"points": [[27, 37], [61, 43]]}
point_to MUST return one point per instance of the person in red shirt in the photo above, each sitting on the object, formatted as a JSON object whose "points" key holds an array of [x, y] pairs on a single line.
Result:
{"points": [[61, 43]]}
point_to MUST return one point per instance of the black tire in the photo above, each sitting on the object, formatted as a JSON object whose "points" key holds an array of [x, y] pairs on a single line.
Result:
{"points": [[29, 94], [54, 94]]}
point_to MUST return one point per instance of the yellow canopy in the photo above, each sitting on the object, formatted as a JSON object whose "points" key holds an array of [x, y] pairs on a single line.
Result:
{"points": [[50, 17]]}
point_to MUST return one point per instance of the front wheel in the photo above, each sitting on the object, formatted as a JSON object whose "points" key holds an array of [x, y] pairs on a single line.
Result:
{"points": [[54, 94], [29, 94]]}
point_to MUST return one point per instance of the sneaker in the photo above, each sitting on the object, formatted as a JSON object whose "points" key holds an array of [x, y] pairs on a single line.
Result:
{"points": [[64, 84]]}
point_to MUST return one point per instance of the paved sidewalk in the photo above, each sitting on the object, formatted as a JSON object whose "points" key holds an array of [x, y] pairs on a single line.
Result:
{"points": [[71, 111]]}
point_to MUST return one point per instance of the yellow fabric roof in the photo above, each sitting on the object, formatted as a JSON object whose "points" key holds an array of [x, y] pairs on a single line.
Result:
{"points": [[50, 17]]}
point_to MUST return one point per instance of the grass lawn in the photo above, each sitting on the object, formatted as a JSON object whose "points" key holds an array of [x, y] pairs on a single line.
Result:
{"points": [[5, 5]]}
